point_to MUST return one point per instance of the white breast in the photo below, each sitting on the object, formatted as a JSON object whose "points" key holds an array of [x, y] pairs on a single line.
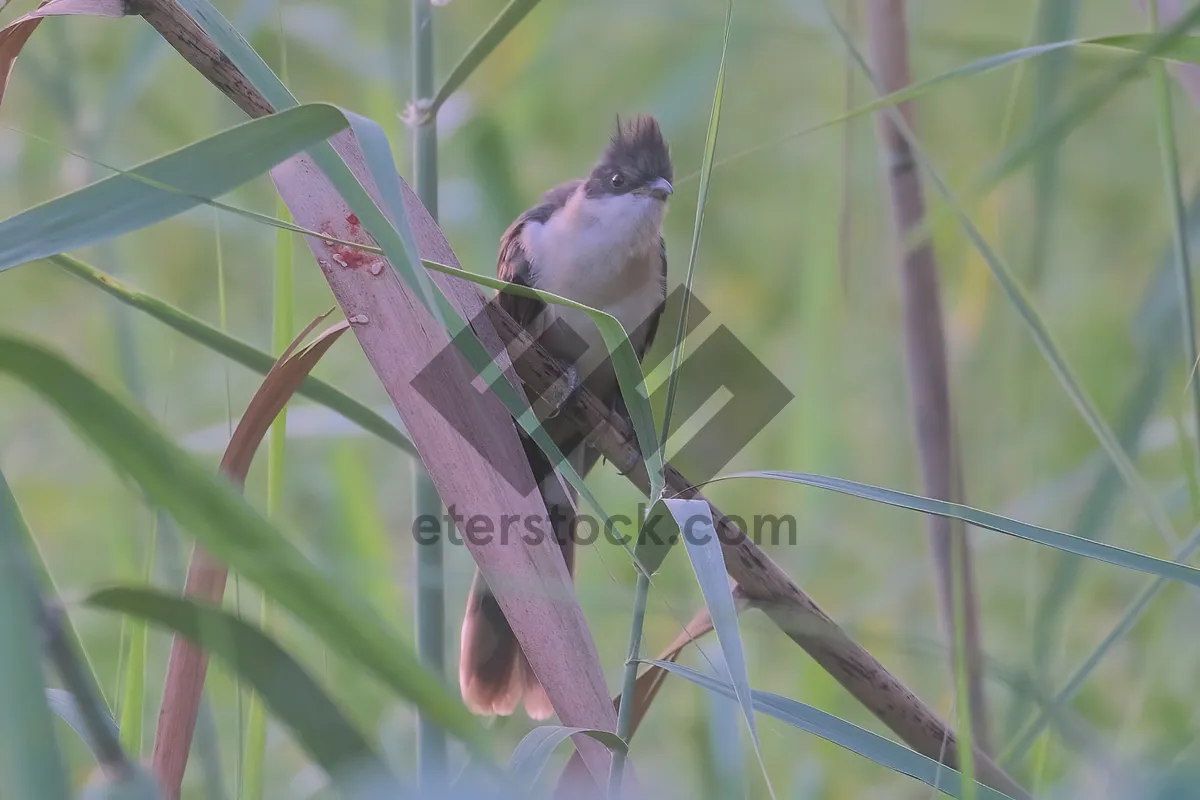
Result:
{"points": [[604, 253]]}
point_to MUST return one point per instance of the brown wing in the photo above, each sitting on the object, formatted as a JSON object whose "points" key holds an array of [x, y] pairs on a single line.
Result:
{"points": [[514, 264], [558, 196]]}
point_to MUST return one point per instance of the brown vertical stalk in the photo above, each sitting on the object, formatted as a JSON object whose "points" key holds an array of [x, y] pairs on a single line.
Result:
{"points": [[925, 346]]}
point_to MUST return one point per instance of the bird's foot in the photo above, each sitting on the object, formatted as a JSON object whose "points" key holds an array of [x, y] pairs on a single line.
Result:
{"points": [[560, 395]]}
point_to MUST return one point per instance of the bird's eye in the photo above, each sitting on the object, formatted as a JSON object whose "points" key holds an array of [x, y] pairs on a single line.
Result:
{"points": [[617, 180]]}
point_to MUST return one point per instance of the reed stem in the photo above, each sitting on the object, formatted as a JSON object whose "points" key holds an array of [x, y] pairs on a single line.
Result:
{"points": [[431, 605]]}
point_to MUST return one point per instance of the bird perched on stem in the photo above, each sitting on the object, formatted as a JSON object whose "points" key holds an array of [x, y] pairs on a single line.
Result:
{"points": [[599, 242]]}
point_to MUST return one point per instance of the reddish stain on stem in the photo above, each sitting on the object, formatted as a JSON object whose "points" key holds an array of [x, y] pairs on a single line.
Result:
{"points": [[347, 255], [351, 257]]}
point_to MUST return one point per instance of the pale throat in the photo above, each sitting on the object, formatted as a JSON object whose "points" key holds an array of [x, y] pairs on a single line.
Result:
{"points": [[605, 253], [598, 250]]}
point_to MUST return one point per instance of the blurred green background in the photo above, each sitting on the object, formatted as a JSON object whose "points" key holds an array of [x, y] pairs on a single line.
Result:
{"points": [[797, 260]]}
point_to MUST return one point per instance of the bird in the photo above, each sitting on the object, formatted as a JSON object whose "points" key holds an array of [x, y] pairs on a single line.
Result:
{"points": [[598, 241]]}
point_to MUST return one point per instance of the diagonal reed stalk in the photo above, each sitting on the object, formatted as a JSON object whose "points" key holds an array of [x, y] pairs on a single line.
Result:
{"points": [[925, 347], [430, 555]]}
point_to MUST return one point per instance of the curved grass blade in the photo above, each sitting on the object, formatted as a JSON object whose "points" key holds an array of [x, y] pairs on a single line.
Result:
{"points": [[1033, 321], [695, 524], [208, 507], [706, 166], [1180, 48], [15, 34], [1156, 335], [248, 356], [291, 693], [1056, 21], [869, 745], [1171, 43], [1025, 739], [994, 522], [63, 704], [206, 576], [531, 755], [137, 785], [501, 26], [43, 577], [133, 693], [29, 756], [126, 202]]}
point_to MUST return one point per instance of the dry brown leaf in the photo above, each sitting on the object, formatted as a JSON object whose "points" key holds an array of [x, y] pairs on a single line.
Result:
{"points": [[206, 576], [15, 34]]}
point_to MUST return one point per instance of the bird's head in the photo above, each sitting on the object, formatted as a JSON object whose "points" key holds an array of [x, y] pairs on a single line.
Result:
{"points": [[636, 162]]}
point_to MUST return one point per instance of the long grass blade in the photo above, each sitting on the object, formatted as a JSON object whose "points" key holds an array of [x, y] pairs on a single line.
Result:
{"points": [[489, 40], [1176, 48], [694, 521], [869, 745], [124, 203], [530, 757], [207, 577], [361, 549], [1157, 334], [706, 167], [45, 579], [64, 706], [1172, 43], [1033, 321], [209, 508], [235, 349], [133, 693], [293, 695], [32, 764], [1056, 22], [994, 522], [1025, 739]]}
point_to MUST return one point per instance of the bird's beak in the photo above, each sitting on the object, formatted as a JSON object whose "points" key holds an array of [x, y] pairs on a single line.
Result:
{"points": [[659, 188]]}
